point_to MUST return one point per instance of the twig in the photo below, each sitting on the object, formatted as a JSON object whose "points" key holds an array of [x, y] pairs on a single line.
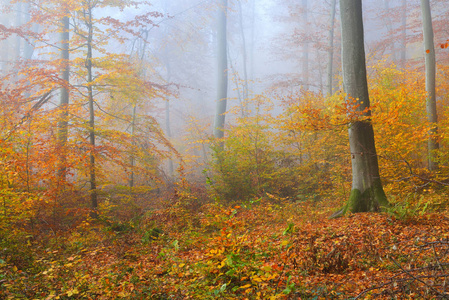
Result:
{"points": [[416, 278]]}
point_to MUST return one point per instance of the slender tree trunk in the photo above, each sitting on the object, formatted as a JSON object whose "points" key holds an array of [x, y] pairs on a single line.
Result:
{"points": [[404, 34], [222, 60], [305, 50], [431, 107], [367, 192], [167, 117], [245, 57], [330, 64], [171, 168], [133, 143], [253, 41], [18, 41], [64, 96], [93, 182]]}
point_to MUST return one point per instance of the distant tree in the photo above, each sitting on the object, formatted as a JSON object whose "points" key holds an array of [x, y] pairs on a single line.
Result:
{"points": [[64, 96], [330, 63], [222, 62], [431, 106], [305, 46], [367, 193]]}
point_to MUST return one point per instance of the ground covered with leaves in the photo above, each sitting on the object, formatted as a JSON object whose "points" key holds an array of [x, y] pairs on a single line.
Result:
{"points": [[263, 249]]}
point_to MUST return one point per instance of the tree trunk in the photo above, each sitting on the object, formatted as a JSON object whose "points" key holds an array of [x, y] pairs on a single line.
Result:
{"points": [[367, 193], [305, 50], [330, 65], [222, 60], [93, 182], [245, 59], [132, 159], [64, 96], [431, 107], [252, 43], [18, 44]]}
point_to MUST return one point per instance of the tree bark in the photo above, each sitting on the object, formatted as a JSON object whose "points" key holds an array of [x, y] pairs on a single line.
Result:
{"points": [[367, 193], [431, 107], [222, 60]]}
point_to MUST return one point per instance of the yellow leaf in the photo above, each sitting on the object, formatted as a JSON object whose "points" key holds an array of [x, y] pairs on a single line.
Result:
{"points": [[72, 292]]}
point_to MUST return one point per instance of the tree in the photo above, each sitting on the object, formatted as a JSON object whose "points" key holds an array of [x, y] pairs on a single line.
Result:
{"points": [[431, 107], [102, 72], [330, 64], [222, 60], [367, 193], [305, 48], [64, 96]]}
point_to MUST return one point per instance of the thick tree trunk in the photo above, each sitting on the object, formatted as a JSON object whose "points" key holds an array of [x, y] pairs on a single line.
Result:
{"points": [[367, 193], [330, 63], [222, 59], [431, 107]]}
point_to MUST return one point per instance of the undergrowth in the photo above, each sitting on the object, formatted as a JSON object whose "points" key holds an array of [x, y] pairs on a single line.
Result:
{"points": [[262, 249]]}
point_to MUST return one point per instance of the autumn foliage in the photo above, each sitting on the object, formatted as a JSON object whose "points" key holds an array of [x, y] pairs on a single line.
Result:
{"points": [[243, 217]]}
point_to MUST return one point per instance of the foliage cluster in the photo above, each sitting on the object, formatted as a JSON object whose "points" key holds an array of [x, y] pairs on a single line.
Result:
{"points": [[302, 151]]}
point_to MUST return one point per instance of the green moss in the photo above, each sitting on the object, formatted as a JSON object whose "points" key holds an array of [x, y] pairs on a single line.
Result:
{"points": [[372, 199], [356, 202]]}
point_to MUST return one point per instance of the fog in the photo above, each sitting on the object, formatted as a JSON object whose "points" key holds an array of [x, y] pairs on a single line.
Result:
{"points": [[275, 48]]}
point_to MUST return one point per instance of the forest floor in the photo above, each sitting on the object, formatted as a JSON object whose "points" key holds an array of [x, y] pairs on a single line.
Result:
{"points": [[264, 249]]}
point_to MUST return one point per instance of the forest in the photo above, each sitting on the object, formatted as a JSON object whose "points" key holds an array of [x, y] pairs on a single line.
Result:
{"points": [[224, 149]]}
